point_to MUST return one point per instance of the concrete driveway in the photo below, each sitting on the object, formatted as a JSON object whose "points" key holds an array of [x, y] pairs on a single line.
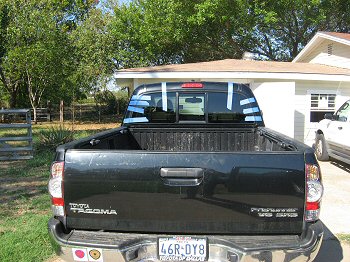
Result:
{"points": [[335, 211]]}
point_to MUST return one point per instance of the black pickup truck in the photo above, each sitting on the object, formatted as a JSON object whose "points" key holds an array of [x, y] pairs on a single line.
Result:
{"points": [[191, 175]]}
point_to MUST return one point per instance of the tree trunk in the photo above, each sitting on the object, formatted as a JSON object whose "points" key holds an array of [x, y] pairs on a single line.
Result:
{"points": [[2, 116], [13, 99], [11, 88], [73, 115], [61, 111], [34, 115], [129, 91], [31, 97]]}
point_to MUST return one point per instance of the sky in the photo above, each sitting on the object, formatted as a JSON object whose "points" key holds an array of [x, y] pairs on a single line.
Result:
{"points": [[102, 5], [101, 2]]}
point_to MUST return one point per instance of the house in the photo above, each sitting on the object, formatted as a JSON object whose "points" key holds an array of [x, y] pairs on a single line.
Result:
{"points": [[293, 96]]}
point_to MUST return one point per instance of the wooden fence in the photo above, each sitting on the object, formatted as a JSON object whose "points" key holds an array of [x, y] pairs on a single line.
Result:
{"points": [[78, 112], [14, 145], [43, 114]]}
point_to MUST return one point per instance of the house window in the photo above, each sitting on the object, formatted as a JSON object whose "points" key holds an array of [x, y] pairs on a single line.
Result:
{"points": [[320, 105]]}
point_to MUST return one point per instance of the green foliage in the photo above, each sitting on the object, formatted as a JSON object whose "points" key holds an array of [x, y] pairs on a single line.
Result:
{"points": [[17, 241], [344, 237], [111, 102], [25, 209], [106, 97], [147, 33], [53, 50], [4, 98], [122, 101], [212, 27], [38, 46], [153, 32], [53, 137], [41, 159], [35, 49], [161, 32], [92, 45], [281, 28]]}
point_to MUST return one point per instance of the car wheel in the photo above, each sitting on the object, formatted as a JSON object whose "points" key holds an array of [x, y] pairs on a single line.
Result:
{"points": [[321, 149]]}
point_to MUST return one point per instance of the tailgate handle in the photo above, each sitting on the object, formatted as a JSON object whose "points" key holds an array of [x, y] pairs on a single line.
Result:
{"points": [[182, 172], [182, 176]]}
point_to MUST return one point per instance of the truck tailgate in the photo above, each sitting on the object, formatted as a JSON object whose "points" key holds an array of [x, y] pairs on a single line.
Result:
{"points": [[185, 192]]}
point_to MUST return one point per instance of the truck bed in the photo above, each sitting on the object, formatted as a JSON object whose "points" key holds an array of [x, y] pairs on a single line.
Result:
{"points": [[188, 139]]}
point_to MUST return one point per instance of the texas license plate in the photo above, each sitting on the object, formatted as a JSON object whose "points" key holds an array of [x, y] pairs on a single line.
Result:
{"points": [[182, 248]]}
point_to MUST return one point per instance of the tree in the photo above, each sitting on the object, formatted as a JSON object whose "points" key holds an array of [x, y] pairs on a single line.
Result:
{"points": [[176, 31], [211, 27], [282, 28], [154, 32], [93, 46], [9, 83], [35, 51], [146, 33]]}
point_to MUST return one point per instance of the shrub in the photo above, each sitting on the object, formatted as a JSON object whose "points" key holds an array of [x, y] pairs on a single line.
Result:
{"points": [[122, 101], [53, 137], [108, 99]]}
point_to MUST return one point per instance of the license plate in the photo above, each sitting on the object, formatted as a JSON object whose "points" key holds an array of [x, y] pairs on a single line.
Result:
{"points": [[182, 248]]}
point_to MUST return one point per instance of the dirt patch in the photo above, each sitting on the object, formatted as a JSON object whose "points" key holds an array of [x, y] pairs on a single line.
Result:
{"points": [[18, 181], [6, 164], [78, 126], [12, 188], [54, 259]]}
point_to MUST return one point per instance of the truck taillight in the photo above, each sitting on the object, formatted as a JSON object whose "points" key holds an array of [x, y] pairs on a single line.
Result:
{"points": [[192, 85], [56, 188], [314, 192]]}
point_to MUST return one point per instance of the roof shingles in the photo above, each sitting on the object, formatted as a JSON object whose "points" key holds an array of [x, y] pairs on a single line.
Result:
{"points": [[345, 36], [235, 65]]}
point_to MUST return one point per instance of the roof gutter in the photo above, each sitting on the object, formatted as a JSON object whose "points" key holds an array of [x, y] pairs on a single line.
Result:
{"points": [[234, 75]]}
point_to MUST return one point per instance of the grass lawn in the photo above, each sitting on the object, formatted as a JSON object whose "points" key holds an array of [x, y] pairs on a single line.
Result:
{"points": [[344, 238], [25, 203]]}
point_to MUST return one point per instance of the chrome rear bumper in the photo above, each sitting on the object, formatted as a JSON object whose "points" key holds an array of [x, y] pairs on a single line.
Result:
{"points": [[143, 247]]}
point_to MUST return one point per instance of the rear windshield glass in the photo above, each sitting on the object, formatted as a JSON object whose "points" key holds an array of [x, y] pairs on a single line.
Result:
{"points": [[239, 109], [191, 107], [152, 108], [221, 107]]}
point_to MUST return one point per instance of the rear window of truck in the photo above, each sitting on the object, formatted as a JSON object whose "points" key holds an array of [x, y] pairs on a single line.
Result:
{"points": [[192, 107], [211, 107]]}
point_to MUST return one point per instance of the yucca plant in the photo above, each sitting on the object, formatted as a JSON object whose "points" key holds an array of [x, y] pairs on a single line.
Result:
{"points": [[53, 137]]}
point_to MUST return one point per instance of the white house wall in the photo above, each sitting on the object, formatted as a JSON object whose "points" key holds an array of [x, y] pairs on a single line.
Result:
{"points": [[304, 130], [340, 56], [276, 100]]}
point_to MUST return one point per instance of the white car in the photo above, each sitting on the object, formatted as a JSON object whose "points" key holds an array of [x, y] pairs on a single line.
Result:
{"points": [[333, 135]]}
